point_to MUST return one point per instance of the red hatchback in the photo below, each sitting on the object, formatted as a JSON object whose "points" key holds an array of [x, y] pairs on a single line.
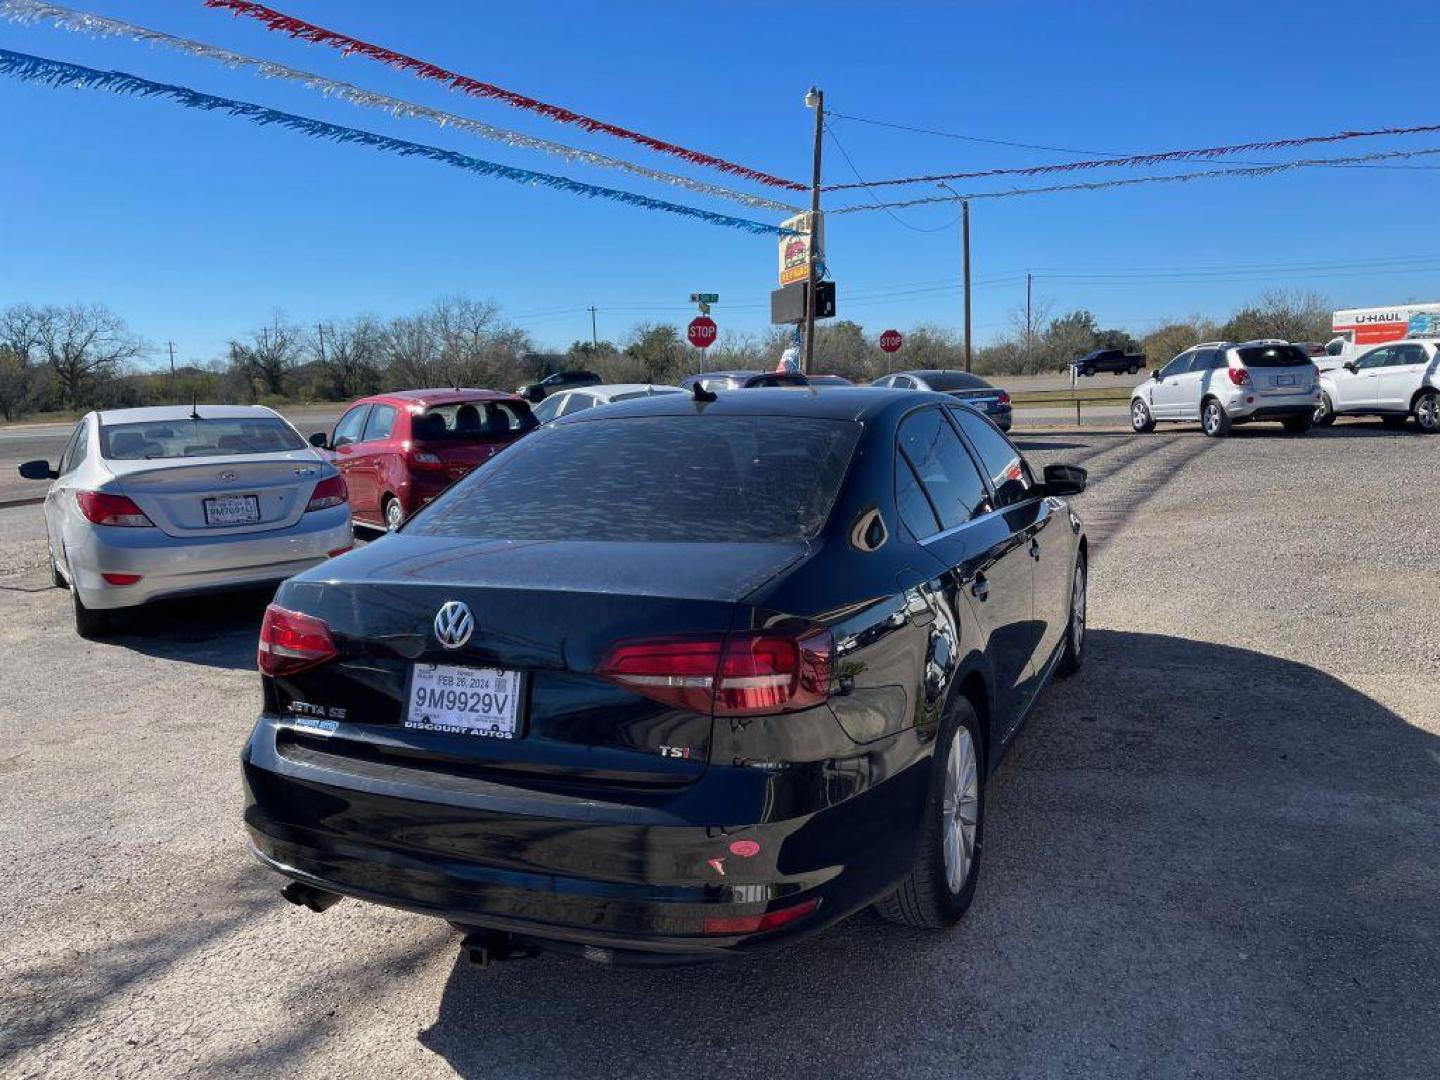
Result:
{"points": [[398, 451]]}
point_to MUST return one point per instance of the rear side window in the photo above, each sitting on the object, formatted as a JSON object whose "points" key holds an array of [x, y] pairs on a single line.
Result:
{"points": [[1009, 475], [380, 424], [655, 479], [914, 508], [946, 471], [1273, 356]]}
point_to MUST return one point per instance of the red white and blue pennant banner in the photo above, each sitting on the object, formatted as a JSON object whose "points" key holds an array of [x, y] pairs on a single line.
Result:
{"points": [[35, 11], [39, 69]]}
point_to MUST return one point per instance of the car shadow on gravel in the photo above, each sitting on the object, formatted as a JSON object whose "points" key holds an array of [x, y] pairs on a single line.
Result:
{"points": [[1199, 860], [216, 630]]}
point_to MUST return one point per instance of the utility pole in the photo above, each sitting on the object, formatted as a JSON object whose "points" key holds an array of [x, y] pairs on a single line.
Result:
{"points": [[1029, 327], [965, 243], [816, 100], [171, 345], [594, 338], [965, 263]]}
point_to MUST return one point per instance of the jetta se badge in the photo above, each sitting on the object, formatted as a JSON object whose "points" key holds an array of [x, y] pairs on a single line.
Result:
{"points": [[453, 624]]}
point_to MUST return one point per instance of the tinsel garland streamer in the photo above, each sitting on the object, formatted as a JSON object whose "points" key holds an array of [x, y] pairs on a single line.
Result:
{"points": [[319, 35], [34, 11], [58, 73], [1158, 158], [1246, 171]]}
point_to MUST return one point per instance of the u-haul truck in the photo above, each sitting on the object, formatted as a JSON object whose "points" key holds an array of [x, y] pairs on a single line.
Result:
{"points": [[1359, 329]]}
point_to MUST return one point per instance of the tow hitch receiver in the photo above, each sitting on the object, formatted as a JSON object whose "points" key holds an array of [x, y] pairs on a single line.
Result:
{"points": [[485, 947]]}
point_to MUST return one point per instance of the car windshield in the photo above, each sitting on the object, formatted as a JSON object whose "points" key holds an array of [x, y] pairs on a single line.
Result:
{"points": [[1273, 356], [197, 438], [472, 420], [954, 380], [655, 479]]}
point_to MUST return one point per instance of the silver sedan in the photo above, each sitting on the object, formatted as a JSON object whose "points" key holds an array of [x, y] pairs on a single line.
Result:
{"points": [[174, 500]]}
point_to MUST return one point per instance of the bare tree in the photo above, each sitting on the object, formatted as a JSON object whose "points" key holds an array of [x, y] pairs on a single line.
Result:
{"points": [[85, 345], [19, 347], [270, 354], [411, 354], [349, 354]]}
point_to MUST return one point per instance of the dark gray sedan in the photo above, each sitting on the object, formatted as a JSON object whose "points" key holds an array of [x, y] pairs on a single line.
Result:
{"points": [[971, 389]]}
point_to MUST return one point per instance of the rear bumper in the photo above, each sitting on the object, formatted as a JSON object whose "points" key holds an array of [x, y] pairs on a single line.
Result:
{"points": [[1286, 411], [636, 878], [171, 566]]}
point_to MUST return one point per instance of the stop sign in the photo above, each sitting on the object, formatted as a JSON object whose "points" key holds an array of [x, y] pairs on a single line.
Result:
{"points": [[701, 332], [890, 340]]}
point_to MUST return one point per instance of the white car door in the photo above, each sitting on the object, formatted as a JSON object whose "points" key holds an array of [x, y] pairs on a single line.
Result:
{"points": [[1165, 396], [61, 494], [1398, 380], [1358, 390], [1190, 384]]}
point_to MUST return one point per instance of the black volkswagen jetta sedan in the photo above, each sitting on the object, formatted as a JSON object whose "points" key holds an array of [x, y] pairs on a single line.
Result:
{"points": [[674, 678]]}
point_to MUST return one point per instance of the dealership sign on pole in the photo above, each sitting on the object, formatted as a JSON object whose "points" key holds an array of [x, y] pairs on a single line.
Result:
{"points": [[799, 246], [701, 332], [891, 341]]}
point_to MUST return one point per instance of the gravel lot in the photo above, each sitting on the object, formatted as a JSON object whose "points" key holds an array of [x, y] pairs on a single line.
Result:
{"points": [[1216, 852]]}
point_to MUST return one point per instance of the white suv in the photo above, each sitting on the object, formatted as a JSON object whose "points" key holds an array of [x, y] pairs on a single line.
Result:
{"points": [[1221, 383], [1394, 381]]}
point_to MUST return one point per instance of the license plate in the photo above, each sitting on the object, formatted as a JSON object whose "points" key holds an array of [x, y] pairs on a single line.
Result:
{"points": [[232, 510], [1284, 380], [464, 700]]}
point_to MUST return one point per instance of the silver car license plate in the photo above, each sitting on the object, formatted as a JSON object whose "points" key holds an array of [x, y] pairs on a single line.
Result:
{"points": [[464, 700], [232, 510], [1284, 380]]}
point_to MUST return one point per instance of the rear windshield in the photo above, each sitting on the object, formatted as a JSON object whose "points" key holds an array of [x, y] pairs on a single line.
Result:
{"points": [[472, 420], [1273, 356], [197, 438], [655, 479], [954, 380]]}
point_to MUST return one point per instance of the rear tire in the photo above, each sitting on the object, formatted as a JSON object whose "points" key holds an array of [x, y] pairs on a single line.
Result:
{"points": [[939, 887], [89, 623], [1140, 418], [1132, 369], [1074, 654], [1087, 371], [394, 513], [1214, 420], [1393, 422], [1297, 425], [1324, 412], [1427, 412]]}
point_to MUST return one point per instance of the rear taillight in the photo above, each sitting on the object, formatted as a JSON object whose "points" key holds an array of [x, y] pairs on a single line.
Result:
{"points": [[291, 641], [1239, 376], [105, 509], [1004, 398], [328, 492], [754, 924], [734, 675]]}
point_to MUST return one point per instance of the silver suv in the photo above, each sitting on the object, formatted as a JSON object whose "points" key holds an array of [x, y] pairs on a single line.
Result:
{"points": [[1221, 383]]}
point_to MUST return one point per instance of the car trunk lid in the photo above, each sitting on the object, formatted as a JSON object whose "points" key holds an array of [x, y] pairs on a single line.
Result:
{"points": [[544, 616], [220, 496]]}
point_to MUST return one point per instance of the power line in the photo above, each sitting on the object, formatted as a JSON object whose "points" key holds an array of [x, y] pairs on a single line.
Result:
{"points": [[1155, 158], [890, 213]]}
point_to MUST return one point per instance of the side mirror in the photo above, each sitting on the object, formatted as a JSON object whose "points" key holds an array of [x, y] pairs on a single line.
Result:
{"points": [[1155, 375], [1349, 366], [535, 393], [320, 440], [37, 470], [1065, 480]]}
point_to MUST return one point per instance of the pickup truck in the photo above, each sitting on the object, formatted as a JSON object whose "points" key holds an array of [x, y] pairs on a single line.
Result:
{"points": [[1114, 361]]}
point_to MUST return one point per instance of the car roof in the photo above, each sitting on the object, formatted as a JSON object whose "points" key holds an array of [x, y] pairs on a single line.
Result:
{"points": [[163, 413], [609, 390], [440, 396], [864, 403]]}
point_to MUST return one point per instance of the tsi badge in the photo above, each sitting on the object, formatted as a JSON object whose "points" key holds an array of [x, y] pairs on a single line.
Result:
{"points": [[453, 624]]}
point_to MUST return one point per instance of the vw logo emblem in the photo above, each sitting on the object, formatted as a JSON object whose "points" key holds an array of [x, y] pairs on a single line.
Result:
{"points": [[227, 476], [453, 624]]}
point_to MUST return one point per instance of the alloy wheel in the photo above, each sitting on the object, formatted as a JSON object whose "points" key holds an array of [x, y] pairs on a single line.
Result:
{"points": [[960, 808], [1139, 415], [1212, 417], [1427, 412], [394, 515]]}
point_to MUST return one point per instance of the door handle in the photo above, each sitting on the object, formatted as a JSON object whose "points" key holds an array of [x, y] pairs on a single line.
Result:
{"points": [[980, 588]]}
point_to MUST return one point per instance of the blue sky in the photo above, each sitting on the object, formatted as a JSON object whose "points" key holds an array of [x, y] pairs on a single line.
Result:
{"points": [[196, 227]]}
